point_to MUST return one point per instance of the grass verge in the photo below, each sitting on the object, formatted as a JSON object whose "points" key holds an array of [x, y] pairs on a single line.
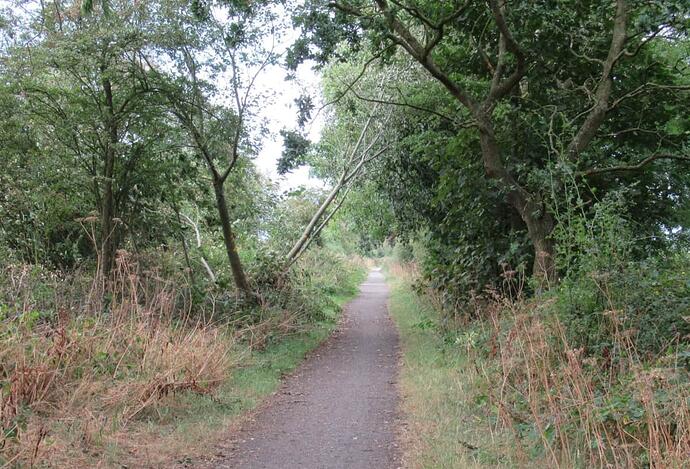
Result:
{"points": [[444, 428], [508, 389]]}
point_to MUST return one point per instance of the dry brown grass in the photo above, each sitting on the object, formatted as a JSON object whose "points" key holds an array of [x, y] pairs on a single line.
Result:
{"points": [[96, 376], [128, 372], [72, 382], [513, 387], [585, 410], [406, 273]]}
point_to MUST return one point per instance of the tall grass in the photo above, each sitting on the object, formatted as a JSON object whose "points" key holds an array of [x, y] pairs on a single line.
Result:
{"points": [[580, 409], [71, 377], [92, 372], [520, 374]]}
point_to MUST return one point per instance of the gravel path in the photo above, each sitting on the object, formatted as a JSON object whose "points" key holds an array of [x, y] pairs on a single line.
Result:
{"points": [[338, 410]]}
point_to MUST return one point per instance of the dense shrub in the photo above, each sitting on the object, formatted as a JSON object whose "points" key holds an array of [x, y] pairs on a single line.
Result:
{"points": [[647, 300], [613, 287]]}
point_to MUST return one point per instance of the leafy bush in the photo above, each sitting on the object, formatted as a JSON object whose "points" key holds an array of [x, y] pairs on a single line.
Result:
{"points": [[646, 300], [293, 298], [610, 288]]}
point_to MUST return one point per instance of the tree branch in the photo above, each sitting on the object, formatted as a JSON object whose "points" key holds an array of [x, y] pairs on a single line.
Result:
{"points": [[351, 85], [318, 230], [407, 40], [507, 43], [406, 104], [195, 227], [597, 113], [636, 166]]}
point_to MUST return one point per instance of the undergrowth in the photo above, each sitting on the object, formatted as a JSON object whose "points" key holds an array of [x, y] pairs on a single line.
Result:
{"points": [[532, 395], [99, 375], [594, 372]]}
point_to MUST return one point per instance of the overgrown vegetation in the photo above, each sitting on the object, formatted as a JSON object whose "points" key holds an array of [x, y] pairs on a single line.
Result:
{"points": [[80, 386], [498, 110], [592, 374], [528, 158]]}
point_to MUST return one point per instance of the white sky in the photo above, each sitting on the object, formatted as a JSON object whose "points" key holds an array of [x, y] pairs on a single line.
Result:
{"points": [[282, 113]]}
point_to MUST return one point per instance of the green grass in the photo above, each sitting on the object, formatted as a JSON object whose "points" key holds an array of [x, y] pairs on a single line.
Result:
{"points": [[199, 422], [441, 387]]}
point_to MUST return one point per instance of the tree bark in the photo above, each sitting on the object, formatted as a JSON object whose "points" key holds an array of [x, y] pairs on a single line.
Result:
{"points": [[602, 95], [185, 251], [540, 225], [109, 236], [312, 223], [539, 222], [229, 240]]}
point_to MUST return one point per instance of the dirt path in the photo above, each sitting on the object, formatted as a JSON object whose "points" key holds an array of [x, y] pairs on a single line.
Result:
{"points": [[338, 410]]}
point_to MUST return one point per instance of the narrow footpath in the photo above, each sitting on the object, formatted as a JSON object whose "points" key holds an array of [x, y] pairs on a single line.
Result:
{"points": [[338, 410]]}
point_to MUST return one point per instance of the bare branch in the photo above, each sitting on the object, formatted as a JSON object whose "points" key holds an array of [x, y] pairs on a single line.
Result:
{"points": [[644, 87], [195, 227], [405, 104]]}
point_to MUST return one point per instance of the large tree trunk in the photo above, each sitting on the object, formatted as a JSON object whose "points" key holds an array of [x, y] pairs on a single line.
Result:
{"points": [[539, 222], [229, 239]]}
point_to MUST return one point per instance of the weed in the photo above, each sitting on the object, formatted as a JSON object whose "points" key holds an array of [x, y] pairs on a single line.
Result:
{"points": [[514, 374], [137, 372]]}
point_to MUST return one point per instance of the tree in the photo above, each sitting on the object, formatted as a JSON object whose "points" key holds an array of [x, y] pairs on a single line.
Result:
{"points": [[543, 86], [217, 58], [347, 150], [81, 85]]}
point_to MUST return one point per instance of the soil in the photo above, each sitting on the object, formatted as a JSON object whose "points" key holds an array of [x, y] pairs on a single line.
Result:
{"points": [[338, 410]]}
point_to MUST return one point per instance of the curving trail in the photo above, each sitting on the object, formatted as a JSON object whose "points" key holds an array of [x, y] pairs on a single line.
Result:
{"points": [[338, 410]]}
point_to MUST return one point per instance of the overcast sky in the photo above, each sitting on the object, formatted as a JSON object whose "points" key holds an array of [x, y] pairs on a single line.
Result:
{"points": [[282, 111], [283, 114]]}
